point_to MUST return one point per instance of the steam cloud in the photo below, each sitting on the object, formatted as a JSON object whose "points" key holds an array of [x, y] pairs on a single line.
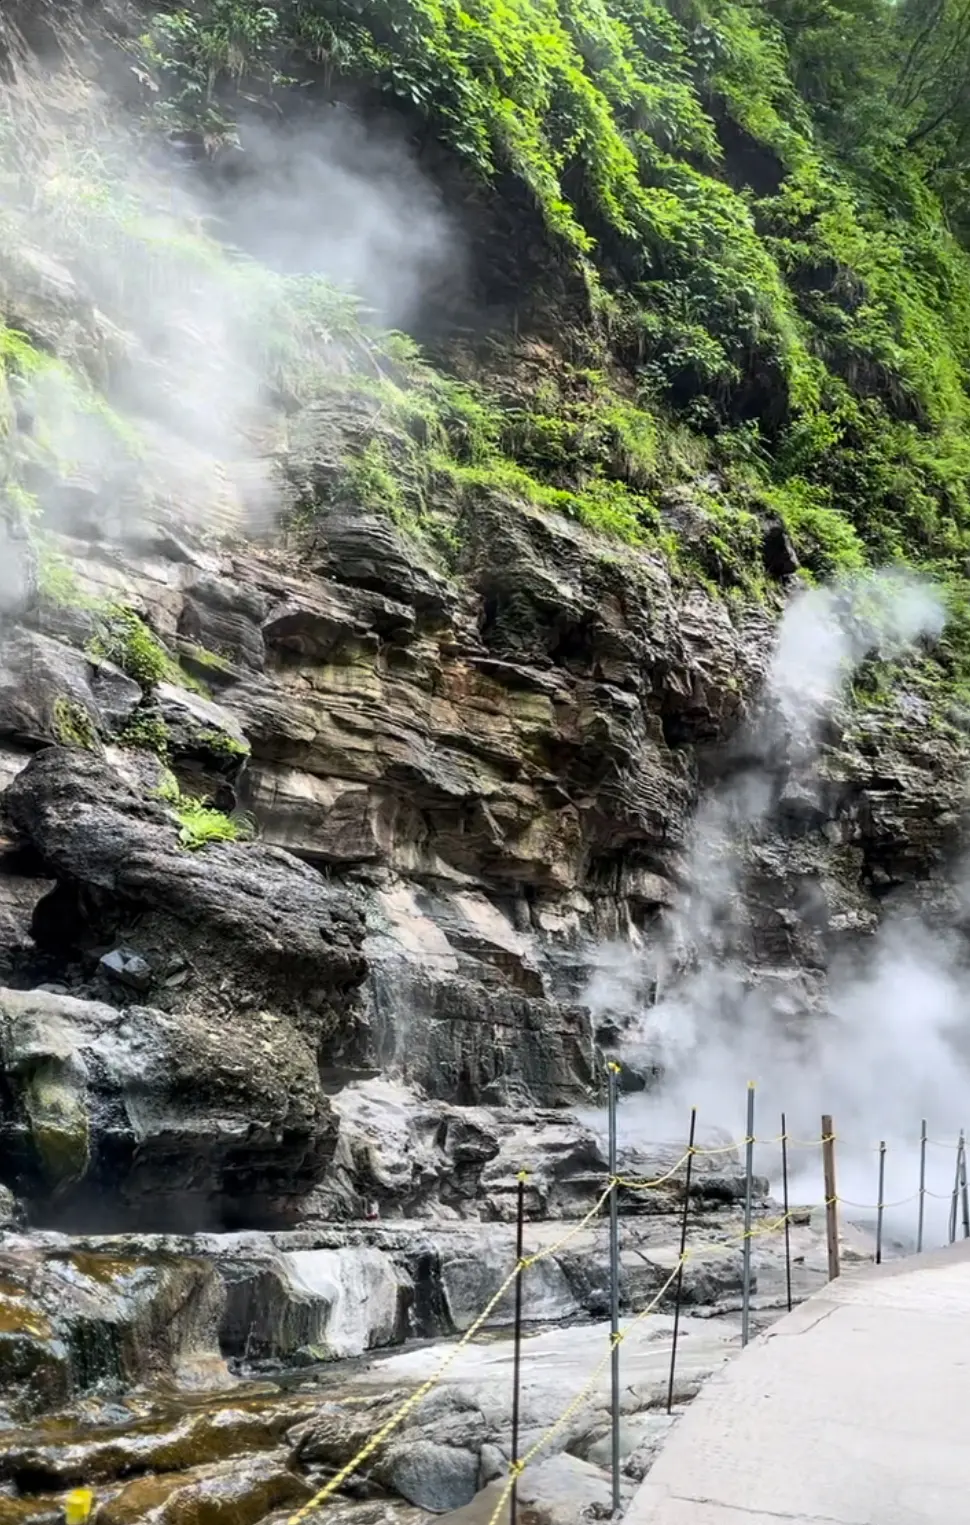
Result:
{"points": [[889, 1041], [107, 257]]}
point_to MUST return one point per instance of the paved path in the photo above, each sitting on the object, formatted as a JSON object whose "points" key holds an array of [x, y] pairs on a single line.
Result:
{"points": [[853, 1410]]}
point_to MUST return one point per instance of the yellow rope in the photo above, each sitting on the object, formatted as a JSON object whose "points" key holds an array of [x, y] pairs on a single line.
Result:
{"points": [[420, 1393], [517, 1469], [531, 1260], [390, 1425], [771, 1227]]}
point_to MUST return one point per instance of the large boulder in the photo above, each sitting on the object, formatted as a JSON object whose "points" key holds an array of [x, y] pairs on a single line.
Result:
{"points": [[118, 1117], [73, 1323], [50, 692], [252, 924]]}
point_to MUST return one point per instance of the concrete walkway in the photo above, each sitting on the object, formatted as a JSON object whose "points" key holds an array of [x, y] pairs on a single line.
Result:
{"points": [[853, 1410]]}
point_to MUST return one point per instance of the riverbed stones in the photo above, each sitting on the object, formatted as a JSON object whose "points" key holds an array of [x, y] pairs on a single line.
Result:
{"points": [[432, 1476], [34, 1460], [72, 1323], [244, 1492]]}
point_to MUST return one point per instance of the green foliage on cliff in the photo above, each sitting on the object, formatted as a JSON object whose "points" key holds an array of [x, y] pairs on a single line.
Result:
{"points": [[122, 637], [766, 204]]}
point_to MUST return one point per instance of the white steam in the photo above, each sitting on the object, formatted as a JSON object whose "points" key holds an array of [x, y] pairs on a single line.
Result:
{"points": [[827, 631], [335, 198], [109, 258], [886, 1043]]}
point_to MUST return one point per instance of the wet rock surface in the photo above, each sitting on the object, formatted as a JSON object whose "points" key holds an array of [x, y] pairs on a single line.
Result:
{"points": [[113, 1107], [156, 1440], [264, 1105], [463, 785], [251, 919]]}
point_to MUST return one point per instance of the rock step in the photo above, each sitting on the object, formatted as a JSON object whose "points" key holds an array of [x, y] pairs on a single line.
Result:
{"points": [[46, 1459]]}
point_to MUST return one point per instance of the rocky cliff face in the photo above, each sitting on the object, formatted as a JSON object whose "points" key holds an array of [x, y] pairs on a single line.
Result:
{"points": [[451, 779], [462, 787], [339, 758]]}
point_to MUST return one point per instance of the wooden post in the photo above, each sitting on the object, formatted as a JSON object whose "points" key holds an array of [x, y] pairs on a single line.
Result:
{"points": [[831, 1197]]}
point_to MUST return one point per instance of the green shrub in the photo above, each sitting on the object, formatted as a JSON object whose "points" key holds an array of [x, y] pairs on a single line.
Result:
{"points": [[199, 824], [146, 732]]}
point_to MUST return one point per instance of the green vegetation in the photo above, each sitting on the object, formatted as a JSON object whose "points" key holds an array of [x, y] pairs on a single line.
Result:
{"points": [[764, 203], [222, 744], [199, 824], [761, 213], [72, 726], [146, 732], [57, 582], [204, 658], [122, 637]]}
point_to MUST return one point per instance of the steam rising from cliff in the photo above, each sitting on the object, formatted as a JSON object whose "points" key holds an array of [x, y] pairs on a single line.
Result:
{"points": [[176, 352], [888, 1042]]}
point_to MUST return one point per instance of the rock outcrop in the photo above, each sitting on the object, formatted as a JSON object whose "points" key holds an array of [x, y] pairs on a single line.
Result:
{"points": [[347, 799], [463, 786], [117, 1113]]}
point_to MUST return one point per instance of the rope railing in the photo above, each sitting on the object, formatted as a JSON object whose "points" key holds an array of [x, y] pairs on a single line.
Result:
{"points": [[614, 1183], [80, 1502], [336, 1482]]}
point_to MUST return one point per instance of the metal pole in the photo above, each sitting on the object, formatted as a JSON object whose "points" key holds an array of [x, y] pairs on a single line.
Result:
{"points": [[784, 1199], [881, 1200], [922, 1187], [517, 1356], [954, 1198], [748, 1193], [964, 1193], [613, 1071], [831, 1197], [680, 1267]]}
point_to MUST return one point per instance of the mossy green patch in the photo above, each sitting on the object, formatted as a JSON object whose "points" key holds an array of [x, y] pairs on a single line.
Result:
{"points": [[59, 1126], [122, 637], [146, 732], [72, 725], [222, 744]]}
